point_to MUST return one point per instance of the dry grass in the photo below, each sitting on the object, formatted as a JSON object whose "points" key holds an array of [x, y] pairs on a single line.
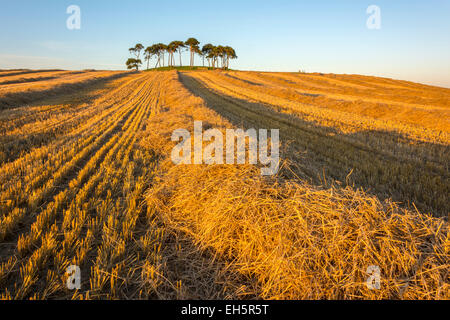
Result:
{"points": [[408, 163], [34, 85], [101, 192], [300, 242], [376, 98], [32, 77], [26, 127], [295, 241], [79, 199]]}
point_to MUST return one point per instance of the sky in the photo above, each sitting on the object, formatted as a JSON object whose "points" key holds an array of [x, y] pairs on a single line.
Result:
{"points": [[329, 36]]}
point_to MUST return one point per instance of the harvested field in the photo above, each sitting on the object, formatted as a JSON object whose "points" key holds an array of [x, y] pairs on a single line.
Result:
{"points": [[33, 85], [404, 160], [87, 180]]}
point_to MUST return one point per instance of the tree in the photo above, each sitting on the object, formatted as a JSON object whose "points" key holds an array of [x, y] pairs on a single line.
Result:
{"points": [[221, 53], [136, 50], [163, 49], [230, 54], [158, 50], [148, 53], [206, 50], [133, 63], [197, 51], [192, 43], [210, 57], [170, 50], [178, 45], [173, 47], [213, 55]]}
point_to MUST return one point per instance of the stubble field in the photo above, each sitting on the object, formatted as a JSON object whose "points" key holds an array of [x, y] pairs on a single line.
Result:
{"points": [[87, 180]]}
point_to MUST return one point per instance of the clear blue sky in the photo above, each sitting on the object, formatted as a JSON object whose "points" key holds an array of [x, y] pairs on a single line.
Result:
{"points": [[284, 35]]}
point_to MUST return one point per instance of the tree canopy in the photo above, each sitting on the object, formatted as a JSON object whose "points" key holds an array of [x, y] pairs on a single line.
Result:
{"points": [[133, 63]]}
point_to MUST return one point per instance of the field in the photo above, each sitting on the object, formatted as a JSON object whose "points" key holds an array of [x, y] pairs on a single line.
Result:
{"points": [[87, 180]]}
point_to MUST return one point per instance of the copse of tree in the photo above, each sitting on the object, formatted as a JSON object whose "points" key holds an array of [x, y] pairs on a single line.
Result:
{"points": [[217, 56]]}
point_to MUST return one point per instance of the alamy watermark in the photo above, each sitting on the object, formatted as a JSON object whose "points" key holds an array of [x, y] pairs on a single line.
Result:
{"points": [[213, 153], [373, 282], [73, 22], [374, 20], [74, 277]]}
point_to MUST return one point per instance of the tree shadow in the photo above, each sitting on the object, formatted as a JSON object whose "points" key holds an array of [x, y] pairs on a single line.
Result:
{"points": [[384, 163]]}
